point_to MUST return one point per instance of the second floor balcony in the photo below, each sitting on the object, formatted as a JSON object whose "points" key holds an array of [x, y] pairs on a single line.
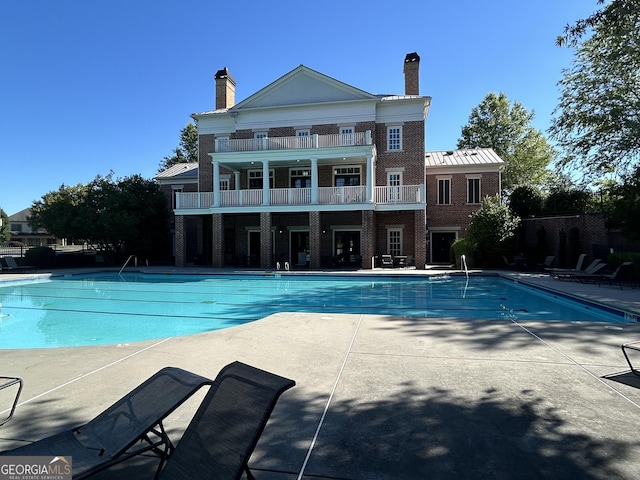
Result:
{"points": [[308, 142], [296, 199]]}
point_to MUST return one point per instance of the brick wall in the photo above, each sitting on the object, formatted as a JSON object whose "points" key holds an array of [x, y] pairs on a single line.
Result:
{"points": [[265, 240], [205, 168], [591, 229], [410, 159], [457, 213]]}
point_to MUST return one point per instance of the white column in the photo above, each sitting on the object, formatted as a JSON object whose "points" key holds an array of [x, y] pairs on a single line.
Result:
{"points": [[314, 181], [371, 175], [265, 183], [216, 183]]}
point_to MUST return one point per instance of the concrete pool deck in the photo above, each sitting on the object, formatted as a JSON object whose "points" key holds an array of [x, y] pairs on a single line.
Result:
{"points": [[383, 397]]}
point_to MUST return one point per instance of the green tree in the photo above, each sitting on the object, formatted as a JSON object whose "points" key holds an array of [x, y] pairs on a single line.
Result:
{"points": [[57, 212], [127, 216], [526, 201], [5, 233], [506, 128], [615, 12], [492, 231], [597, 120], [186, 152], [625, 206]]}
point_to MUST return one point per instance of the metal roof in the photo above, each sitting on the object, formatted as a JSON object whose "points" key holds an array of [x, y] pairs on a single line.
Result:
{"points": [[185, 170], [461, 158]]}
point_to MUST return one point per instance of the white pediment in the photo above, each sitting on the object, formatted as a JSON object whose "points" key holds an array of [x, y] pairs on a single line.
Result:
{"points": [[303, 86]]}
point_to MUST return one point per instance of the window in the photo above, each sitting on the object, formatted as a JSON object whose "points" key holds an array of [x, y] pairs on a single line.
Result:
{"points": [[223, 144], [300, 178], [473, 190], [258, 142], [256, 177], [224, 182], [394, 139], [444, 191], [394, 180], [304, 138], [346, 176], [347, 136], [394, 241]]}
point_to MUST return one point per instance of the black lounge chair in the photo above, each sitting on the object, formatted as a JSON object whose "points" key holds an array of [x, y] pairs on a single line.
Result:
{"points": [[225, 430], [386, 261], [618, 275], [589, 274], [13, 265], [634, 347], [8, 382], [560, 271], [111, 437]]}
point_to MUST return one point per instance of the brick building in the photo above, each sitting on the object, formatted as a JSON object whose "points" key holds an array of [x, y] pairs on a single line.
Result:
{"points": [[457, 181], [313, 172]]}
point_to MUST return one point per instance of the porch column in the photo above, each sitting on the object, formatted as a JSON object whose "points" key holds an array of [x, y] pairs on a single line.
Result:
{"points": [[216, 183], [315, 232], [217, 240], [367, 245], [420, 242], [236, 175], [180, 252], [266, 243], [371, 177], [265, 182], [314, 181]]}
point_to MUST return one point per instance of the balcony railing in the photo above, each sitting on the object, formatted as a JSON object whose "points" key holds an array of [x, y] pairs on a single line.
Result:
{"points": [[224, 145], [405, 194]]}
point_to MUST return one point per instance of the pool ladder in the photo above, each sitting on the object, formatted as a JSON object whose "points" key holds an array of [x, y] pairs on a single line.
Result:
{"points": [[127, 262]]}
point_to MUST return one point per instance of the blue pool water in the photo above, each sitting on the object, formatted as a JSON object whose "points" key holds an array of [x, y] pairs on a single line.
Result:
{"points": [[109, 308]]}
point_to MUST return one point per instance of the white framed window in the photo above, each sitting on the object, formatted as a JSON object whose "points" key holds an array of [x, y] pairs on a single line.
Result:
{"points": [[225, 181], [300, 178], [258, 140], [473, 189], [394, 138], [256, 179], [223, 144], [394, 241], [347, 176], [444, 191], [347, 135], [304, 138], [394, 181]]}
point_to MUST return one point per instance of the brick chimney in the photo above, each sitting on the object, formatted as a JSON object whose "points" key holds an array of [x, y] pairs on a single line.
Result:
{"points": [[411, 74], [225, 89]]}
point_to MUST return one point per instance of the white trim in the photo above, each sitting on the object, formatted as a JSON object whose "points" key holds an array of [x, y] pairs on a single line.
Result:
{"points": [[448, 191], [400, 232], [399, 140]]}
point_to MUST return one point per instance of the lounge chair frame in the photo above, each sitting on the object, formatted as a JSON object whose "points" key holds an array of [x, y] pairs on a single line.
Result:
{"points": [[111, 437], [8, 382], [227, 426], [633, 346]]}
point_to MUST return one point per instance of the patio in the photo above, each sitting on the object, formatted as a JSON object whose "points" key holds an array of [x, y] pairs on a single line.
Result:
{"points": [[381, 397]]}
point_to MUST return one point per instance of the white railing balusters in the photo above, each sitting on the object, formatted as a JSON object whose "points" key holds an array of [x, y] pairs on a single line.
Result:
{"points": [[292, 143], [385, 195]]}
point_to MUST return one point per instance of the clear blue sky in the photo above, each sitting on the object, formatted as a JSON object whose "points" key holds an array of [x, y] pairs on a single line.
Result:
{"points": [[87, 87]]}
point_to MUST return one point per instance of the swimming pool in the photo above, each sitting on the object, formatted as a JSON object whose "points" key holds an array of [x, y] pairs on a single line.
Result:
{"points": [[107, 308]]}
